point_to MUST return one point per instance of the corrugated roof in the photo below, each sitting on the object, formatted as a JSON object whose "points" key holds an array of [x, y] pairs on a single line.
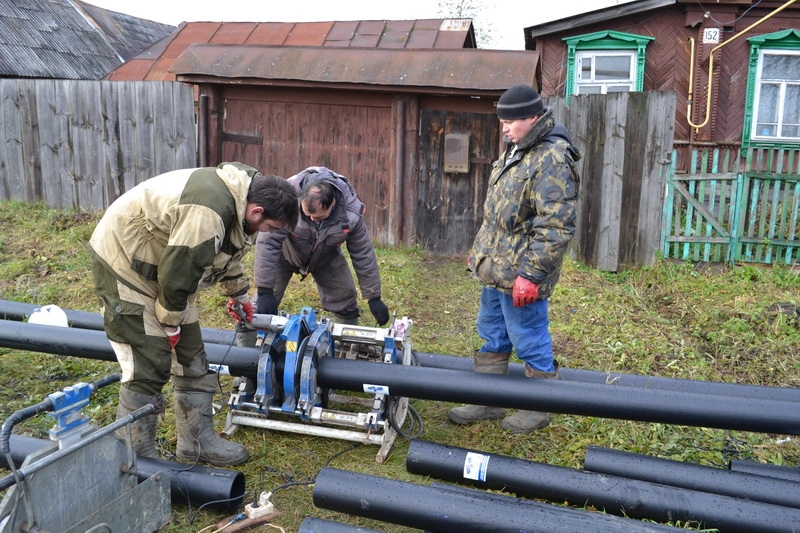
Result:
{"points": [[389, 34], [451, 70], [126, 34], [54, 39]]}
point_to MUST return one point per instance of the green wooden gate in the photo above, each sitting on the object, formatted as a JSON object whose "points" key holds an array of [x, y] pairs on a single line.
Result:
{"points": [[728, 210]]}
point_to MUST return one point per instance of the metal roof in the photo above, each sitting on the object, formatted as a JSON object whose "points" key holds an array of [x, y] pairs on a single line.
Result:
{"points": [[449, 71], [126, 34], [597, 15], [380, 34], [56, 39]]}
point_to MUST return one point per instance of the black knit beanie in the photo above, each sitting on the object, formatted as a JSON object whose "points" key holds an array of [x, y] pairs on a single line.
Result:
{"points": [[520, 101]]}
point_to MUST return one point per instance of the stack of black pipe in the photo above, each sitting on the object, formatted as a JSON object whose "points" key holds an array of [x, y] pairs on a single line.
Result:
{"points": [[610, 480]]}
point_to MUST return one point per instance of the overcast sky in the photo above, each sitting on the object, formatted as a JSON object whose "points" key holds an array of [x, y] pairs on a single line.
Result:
{"points": [[506, 23]]}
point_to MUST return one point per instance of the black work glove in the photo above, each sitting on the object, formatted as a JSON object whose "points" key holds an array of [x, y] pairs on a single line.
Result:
{"points": [[266, 304], [379, 311]]}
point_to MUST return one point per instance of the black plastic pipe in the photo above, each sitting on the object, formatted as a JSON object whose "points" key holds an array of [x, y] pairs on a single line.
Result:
{"points": [[312, 524], [93, 344], [80, 319], [201, 485], [11, 310], [454, 362], [432, 509], [692, 476], [554, 396], [615, 495], [788, 473]]}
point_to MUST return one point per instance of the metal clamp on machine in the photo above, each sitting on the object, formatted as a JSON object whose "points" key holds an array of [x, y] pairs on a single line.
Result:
{"points": [[285, 387]]}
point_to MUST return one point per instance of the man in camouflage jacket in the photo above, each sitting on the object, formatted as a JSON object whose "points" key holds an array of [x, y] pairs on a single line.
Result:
{"points": [[528, 221], [153, 249]]}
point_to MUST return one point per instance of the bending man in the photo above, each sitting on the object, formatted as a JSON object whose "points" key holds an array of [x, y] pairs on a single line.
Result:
{"points": [[154, 248], [330, 215]]}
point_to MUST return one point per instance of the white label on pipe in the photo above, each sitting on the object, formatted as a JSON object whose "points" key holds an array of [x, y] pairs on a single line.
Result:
{"points": [[475, 465], [376, 389]]}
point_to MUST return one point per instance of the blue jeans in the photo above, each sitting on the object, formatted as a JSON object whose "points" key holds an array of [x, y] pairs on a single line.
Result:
{"points": [[525, 329]]}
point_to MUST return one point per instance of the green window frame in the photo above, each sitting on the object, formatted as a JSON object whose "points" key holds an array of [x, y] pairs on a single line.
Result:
{"points": [[596, 62], [772, 101]]}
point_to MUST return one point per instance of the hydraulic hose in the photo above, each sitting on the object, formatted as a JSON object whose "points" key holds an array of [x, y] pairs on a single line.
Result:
{"points": [[41, 407]]}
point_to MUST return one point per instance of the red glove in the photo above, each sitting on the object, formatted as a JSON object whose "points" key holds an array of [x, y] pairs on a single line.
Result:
{"points": [[524, 292], [237, 309], [173, 338]]}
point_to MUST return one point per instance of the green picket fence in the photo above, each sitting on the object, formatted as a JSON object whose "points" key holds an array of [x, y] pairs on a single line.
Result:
{"points": [[725, 209]]}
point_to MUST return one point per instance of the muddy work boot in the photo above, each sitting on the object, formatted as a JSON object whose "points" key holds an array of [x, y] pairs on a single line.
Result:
{"points": [[197, 441], [524, 422], [485, 363], [143, 430]]}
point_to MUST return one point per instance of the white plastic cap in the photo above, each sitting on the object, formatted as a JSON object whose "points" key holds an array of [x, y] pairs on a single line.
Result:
{"points": [[49, 315]]}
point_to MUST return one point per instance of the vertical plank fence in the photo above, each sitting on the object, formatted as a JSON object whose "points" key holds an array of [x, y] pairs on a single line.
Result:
{"points": [[769, 231], [626, 139], [731, 208], [78, 144]]}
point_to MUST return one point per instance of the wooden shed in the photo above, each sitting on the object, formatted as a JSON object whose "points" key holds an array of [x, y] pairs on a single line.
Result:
{"points": [[404, 108], [415, 130]]}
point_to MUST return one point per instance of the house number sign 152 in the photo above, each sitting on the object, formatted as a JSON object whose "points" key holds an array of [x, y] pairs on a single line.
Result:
{"points": [[711, 35]]}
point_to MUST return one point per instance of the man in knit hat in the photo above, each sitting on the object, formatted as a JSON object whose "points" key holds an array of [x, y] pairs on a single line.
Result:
{"points": [[528, 220]]}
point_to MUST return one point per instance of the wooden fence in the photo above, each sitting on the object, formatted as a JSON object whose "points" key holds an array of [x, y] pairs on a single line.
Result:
{"points": [[78, 144], [626, 139], [733, 207]]}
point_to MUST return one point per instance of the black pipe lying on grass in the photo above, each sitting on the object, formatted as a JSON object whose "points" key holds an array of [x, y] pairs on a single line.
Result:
{"points": [[570, 397], [454, 362], [433, 509], [200, 485], [692, 476], [18, 311], [612, 494], [93, 344], [320, 525], [555, 396], [93, 321], [788, 473]]}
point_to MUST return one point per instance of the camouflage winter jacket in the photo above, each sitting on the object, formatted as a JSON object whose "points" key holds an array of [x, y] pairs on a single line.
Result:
{"points": [[529, 213], [176, 233]]}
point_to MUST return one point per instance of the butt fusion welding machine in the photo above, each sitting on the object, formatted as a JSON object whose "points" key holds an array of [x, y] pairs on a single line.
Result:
{"points": [[286, 389]]}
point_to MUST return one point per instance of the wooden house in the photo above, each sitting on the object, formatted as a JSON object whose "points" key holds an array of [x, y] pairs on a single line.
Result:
{"points": [[734, 66]]}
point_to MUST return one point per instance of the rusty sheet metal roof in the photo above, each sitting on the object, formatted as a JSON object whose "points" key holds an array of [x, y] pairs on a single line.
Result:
{"points": [[56, 39], [390, 34], [470, 69]]}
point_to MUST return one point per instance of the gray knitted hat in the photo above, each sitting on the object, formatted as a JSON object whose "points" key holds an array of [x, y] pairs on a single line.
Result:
{"points": [[520, 101]]}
